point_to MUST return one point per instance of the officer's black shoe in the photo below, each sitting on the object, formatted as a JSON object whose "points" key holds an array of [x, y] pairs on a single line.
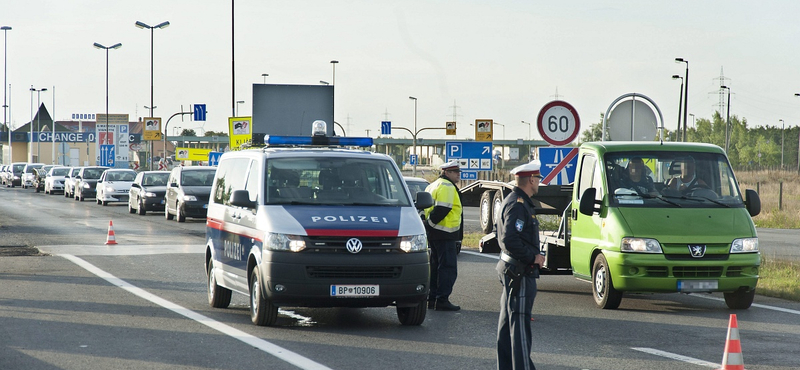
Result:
{"points": [[431, 303], [445, 305]]}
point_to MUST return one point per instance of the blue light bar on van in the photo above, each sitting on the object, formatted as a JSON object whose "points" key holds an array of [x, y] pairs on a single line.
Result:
{"points": [[272, 140]]}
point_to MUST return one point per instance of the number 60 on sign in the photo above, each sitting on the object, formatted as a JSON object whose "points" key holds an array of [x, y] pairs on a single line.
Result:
{"points": [[558, 123]]}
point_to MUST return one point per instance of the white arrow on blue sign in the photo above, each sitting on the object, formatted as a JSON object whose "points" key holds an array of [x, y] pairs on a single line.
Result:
{"points": [[386, 127], [199, 112]]}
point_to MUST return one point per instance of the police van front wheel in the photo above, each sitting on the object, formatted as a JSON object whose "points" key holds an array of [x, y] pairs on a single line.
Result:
{"points": [[262, 312], [412, 316], [218, 297], [605, 296]]}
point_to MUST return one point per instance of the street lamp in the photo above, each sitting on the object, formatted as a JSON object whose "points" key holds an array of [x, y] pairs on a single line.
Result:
{"points": [[680, 101], [324, 82], [798, 150], [728, 119], [414, 171], [782, 125], [38, 122], [529, 129], [333, 64], [5, 88], [142, 25], [692, 119], [685, 95], [115, 46], [265, 77], [237, 107], [504, 128]]}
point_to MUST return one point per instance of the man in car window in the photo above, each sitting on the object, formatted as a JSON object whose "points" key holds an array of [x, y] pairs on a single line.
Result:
{"points": [[636, 178], [688, 179]]}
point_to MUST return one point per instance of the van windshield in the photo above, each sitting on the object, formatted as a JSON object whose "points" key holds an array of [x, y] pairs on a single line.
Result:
{"points": [[334, 181], [671, 179]]}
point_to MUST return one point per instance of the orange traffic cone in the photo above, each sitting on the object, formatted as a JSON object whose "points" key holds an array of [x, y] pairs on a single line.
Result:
{"points": [[111, 238], [732, 358]]}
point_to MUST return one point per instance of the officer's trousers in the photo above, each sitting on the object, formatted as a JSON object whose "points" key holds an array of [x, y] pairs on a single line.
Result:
{"points": [[514, 326], [444, 268]]}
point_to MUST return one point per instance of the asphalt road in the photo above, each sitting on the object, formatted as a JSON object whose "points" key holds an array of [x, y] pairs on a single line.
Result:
{"points": [[142, 304]]}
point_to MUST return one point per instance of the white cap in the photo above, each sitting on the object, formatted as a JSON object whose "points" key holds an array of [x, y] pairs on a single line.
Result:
{"points": [[528, 169], [449, 165]]}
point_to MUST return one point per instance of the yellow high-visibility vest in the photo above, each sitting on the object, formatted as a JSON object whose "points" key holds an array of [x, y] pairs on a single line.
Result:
{"points": [[444, 194]]}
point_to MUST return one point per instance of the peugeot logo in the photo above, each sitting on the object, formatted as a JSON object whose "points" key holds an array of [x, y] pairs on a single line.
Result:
{"points": [[697, 251], [354, 245]]}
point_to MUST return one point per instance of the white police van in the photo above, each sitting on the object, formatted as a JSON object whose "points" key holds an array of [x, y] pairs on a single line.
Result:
{"points": [[306, 222]]}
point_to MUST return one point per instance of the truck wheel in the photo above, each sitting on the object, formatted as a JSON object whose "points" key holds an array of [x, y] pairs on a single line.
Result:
{"points": [[412, 316], [487, 220], [497, 205], [218, 297], [740, 299], [605, 296], [262, 312]]}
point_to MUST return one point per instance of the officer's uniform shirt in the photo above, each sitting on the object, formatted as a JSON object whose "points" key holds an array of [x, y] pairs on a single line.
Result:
{"points": [[518, 228]]}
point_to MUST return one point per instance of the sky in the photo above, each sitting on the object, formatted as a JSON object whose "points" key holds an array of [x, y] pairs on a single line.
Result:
{"points": [[493, 59]]}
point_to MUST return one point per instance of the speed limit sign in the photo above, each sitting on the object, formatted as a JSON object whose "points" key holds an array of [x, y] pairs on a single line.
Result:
{"points": [[558, 123]]}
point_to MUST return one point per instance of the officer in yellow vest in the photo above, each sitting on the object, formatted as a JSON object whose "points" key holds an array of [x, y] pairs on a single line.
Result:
{"points": [[444, 223]]}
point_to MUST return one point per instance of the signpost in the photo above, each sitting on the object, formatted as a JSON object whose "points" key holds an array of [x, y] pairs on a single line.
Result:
{"points": [[558, 123], [558, 165], [483, 129], [386, 127], [472, 156]]}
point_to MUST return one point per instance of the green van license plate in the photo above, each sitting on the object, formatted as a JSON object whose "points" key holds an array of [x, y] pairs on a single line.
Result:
{"points": [[697, 285]]}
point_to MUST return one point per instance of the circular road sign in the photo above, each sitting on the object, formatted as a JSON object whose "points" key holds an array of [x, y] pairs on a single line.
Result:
{"points": [[558, 123]]}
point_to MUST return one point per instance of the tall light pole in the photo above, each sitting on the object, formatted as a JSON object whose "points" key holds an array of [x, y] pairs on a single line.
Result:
{"points": [[237, 106], [143, 25], [680, 102], [333, 82], [728, 119], [798, 144], [265, 77], [38, 122], [100, 46], [782, 126], [5, 89], [687, 139], [529, 129], [416, 159], [333, 64], [685, 95], [504, 128]]}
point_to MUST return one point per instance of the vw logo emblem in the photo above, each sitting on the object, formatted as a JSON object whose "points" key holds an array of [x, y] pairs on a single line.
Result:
{"points": [[697, 251], [354, 245]]}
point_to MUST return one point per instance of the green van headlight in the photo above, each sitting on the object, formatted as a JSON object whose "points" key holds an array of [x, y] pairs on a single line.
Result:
{"points": [[640, 245], [744, 245]]}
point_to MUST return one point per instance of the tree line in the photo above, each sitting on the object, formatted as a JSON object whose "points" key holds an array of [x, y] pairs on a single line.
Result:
{"points": [[748, 149]]}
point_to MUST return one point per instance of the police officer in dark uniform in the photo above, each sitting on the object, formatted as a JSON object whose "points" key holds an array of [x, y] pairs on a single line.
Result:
{"points": [[520, 259]]}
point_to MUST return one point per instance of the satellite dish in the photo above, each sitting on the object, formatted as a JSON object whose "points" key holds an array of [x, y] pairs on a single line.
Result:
{"points": [[632, 120]]}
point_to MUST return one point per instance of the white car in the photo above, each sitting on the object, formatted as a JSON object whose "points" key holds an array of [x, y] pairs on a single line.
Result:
{"points": [[28, 175], [114, 185], [55, 179]]}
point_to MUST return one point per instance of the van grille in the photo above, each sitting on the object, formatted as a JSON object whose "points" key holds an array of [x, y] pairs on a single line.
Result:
{"points": [[699, 271], [354, 272], [334, 244]]}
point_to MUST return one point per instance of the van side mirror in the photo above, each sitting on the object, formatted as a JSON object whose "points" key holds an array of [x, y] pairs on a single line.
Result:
{"points": [[423, 200], [752, 202], [587, 205], [241, 198]]}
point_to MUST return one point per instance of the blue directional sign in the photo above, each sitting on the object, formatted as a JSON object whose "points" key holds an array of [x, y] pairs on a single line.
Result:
{"points": [[558, 164], [107, 156], [469, 175], [213, 158], [199, 112], [386, 127], [413, 159], [471, 155]]}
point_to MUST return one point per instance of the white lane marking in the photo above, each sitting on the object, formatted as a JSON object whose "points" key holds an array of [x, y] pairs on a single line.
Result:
{"points": [[493, 256], [781, 309], [272, 349], [675, 356]]}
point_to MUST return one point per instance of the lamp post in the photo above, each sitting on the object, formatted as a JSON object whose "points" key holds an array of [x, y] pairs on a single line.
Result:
{"points": [[5, 89], [100, 46], [728, 119], [414, 171], [798, 149], [529, 129], [237, 106], [782, 126], [142, 25], [692, 119], [38, 121], [265, 77], [680, 101], [333, 64], [504, 128], [685, 95]]}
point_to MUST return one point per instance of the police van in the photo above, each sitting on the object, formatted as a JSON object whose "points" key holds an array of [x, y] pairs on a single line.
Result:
{"points": [[307, 222]]}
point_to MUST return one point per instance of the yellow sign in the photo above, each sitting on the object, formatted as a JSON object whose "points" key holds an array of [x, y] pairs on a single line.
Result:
{"points": [[483, 129], [240, 131], [152, 128], [191, 154], [451, 128]]}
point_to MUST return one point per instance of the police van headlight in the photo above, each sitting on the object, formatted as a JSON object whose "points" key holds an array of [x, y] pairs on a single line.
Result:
{"points": [[744, 245], [640, 245], [189, 198], [414, 243], [285, 242]]}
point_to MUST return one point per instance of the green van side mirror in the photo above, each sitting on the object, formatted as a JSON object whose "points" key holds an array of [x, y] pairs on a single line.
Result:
{"points": [[752, 202]]}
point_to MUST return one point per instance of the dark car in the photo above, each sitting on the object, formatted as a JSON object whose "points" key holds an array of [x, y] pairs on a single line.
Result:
{"points": [[16, 174], [39, 176], [86, 182], [147, 192], [188, 191]]}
